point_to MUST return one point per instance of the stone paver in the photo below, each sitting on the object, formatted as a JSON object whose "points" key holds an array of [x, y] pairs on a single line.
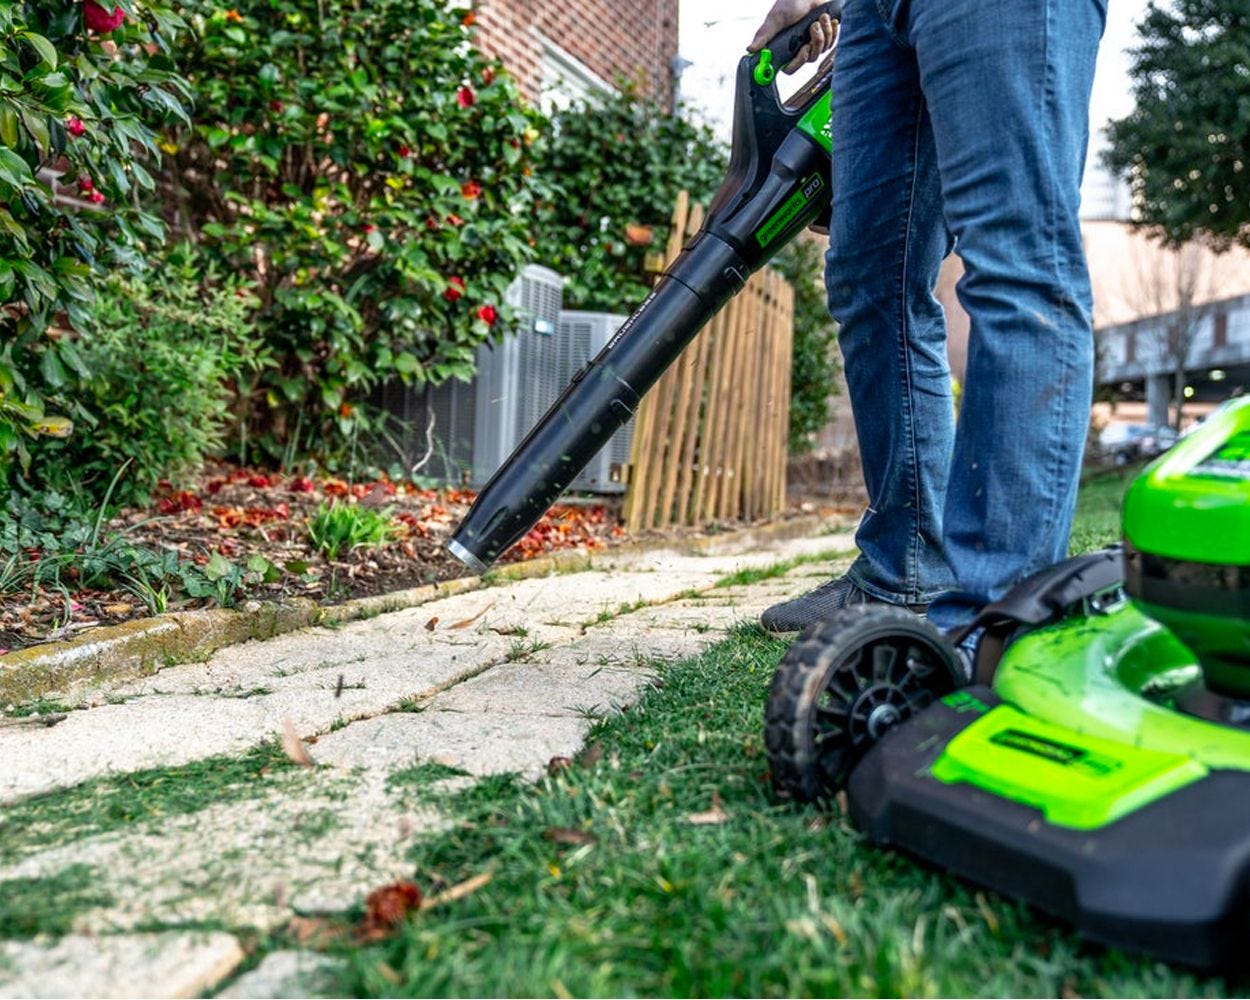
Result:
{"points": [[176, 964], [497, 680], [285, 974]]}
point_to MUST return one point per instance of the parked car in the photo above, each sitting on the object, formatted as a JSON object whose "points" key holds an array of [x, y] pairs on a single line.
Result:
{"points": [[1125, 443]]}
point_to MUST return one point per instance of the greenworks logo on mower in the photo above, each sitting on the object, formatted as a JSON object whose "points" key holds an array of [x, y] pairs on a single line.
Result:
{"points": [[1055, 752], [791, 210]]}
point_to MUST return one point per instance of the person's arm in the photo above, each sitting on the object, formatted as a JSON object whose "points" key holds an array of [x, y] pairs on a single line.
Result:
{"points": [[788, 12]]}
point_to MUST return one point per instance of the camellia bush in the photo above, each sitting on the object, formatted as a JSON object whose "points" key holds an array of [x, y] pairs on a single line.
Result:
{"points": [[83, 87], [371, 173]]}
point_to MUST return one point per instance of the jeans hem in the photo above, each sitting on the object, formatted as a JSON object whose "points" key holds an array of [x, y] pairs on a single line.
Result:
{"points": [[856, 576]]}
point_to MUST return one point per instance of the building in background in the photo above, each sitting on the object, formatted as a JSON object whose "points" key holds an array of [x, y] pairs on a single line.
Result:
{"points": [[562, 50]]}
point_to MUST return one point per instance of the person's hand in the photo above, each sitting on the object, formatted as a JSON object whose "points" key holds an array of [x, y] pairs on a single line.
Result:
{"points": [[788, 12]]}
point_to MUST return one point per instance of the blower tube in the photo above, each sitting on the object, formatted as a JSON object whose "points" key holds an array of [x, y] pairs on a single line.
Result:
{"points": [[777, 185]]}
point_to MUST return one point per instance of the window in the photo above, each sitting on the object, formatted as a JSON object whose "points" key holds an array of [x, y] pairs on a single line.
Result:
{"points": [[566, 79], [1219, 330]]}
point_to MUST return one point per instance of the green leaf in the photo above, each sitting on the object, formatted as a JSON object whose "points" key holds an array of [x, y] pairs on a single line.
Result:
{"points": [[37, 126], [52, 370], [218, 567], [8, 126], [41, 45]]}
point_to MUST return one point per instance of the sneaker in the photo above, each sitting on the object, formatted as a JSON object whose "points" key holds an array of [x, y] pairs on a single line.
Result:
{"points": [[820, 604]]}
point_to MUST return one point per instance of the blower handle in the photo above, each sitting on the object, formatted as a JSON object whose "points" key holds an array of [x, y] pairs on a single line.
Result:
{"points": [[786, 45]]}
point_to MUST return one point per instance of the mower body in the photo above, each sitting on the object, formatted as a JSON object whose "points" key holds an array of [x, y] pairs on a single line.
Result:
{"points": [[1102, 772]]}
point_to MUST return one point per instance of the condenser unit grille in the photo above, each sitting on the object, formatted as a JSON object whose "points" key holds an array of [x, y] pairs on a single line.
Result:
{"points": [[582, 336]]}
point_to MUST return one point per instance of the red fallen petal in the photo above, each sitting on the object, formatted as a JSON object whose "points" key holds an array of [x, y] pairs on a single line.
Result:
{"points": [[259, 481], [302, 484]]}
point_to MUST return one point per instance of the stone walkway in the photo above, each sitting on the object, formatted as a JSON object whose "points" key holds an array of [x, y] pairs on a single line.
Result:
{"points": [[497, 680]]}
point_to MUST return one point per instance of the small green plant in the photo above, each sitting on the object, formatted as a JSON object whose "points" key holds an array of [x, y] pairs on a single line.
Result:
{"points": [[337, 528]]}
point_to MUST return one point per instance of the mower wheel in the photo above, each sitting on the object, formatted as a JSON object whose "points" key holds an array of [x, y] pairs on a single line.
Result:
{"points": [[842, 686]]}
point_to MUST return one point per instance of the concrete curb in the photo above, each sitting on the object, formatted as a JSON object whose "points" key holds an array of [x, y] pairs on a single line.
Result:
{"points": [[146, 645]]}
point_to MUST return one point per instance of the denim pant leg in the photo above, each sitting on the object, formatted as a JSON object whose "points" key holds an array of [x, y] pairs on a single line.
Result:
{"points": [[1008, 86], [887, 242]]}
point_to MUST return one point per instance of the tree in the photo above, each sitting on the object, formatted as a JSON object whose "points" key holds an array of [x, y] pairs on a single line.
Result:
{"points": [[370, 172], [1186, 145], [83, 90]]}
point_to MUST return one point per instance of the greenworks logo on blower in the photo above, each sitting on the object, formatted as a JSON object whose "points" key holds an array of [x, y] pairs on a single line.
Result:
{"points": [[791, 210]]}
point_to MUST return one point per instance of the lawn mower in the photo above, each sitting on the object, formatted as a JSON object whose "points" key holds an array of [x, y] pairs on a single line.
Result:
{"points": [[777, 185], [1097, 763]]}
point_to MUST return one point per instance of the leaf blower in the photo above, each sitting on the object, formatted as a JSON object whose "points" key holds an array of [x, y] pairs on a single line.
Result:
{"points": [[777, 185]]}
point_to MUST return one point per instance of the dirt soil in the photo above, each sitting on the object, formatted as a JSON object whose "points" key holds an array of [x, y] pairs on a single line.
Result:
{"points": [[241, 514]]}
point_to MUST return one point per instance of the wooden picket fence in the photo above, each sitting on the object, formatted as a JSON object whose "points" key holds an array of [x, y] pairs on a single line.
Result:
{"points": [[710, 438]]}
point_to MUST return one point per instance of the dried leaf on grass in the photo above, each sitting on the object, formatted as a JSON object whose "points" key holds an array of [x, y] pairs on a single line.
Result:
{"points": [[386, 908], [713, 816], [469, 621], [293, 746], [432, 624], [568, 835]]}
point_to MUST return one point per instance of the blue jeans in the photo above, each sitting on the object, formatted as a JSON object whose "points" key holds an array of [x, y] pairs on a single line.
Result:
{"points": [[963, 125]]}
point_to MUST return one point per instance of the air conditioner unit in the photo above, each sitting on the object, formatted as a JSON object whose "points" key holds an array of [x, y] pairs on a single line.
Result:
{"points": [[516, 382], [477, 425], [582, 336]]}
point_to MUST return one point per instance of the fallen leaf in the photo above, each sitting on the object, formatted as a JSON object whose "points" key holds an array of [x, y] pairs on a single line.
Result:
{"points": [[118, 609], [386, 908], [590, 755], [558, 764], [389, 974], [431, 624], [293, 746], [567, 835], [469, 621], [713, 816]]}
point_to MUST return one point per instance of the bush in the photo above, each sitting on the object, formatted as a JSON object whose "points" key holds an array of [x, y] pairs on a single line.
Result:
{"points": [[160, 359], [618, 163], [81, 91], [370, 173]]}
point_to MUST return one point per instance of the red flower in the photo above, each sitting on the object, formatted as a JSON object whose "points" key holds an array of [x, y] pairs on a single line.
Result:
{"points": [[471, 190], [465, 97], [488, 75], [100, 20], [431, 223], [370, 228], [302, 484], [85, 184], [96, 198], [488, 315], [455, 289], [405, 152], [470, 19], [75, 127], [234, 16], [454, 220], [277, 106]]}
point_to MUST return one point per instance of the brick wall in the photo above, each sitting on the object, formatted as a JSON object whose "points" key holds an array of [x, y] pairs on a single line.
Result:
{"points": [[637, 40]]}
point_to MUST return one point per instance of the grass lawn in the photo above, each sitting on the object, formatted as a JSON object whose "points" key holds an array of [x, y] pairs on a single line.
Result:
{"points": [[660, 865]]}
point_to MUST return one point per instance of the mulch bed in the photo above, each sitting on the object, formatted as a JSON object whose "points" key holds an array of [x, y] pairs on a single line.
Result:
{"points": [[241, 513]]}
